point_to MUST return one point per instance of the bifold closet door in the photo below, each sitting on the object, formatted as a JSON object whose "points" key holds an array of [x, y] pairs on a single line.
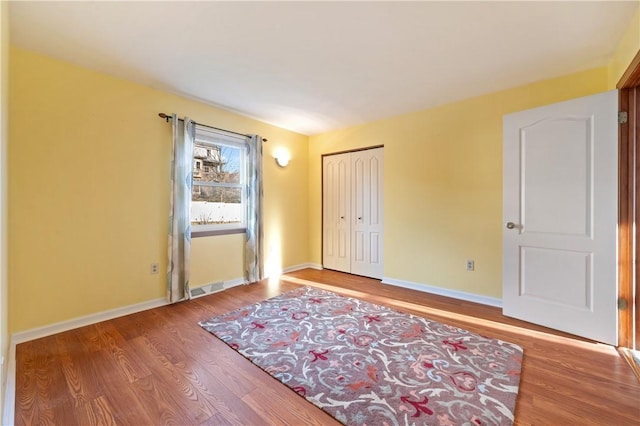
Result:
{"points": [[352, 212], [366, 215], [336, 212]]}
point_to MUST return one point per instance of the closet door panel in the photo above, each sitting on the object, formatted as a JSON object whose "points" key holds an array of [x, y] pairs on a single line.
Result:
{"points": [[336, 212], [367, 218]]}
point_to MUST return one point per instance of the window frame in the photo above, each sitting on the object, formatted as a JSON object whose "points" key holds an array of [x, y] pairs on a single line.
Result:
{"points": [[212, 137]]}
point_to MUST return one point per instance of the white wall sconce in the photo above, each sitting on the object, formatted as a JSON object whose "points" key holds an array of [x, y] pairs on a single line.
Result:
{"points": [[282, 157]]}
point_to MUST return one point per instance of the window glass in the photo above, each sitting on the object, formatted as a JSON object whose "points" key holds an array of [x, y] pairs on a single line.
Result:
{"points": [[218, 194]]}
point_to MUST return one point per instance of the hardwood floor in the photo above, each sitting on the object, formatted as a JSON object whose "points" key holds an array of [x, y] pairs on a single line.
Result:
{"points": [[160, 367]]}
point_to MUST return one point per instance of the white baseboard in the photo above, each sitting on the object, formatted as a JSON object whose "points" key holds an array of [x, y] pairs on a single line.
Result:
{"points": [[48, 330], [302, 266], [278, 272], [8, 415], [455, 294]]}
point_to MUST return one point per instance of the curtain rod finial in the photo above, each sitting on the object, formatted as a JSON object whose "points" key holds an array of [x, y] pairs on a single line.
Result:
{"points": [[165, 116]]}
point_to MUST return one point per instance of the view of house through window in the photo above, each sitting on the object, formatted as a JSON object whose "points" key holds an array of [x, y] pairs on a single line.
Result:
{"points": [[217, 200]]}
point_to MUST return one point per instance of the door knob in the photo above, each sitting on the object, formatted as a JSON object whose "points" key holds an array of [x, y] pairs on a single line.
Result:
{"points": [[359, 218], [511, 225]]}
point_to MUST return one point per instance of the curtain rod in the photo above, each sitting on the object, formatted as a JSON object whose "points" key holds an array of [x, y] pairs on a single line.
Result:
{"points": [[167, 117]]}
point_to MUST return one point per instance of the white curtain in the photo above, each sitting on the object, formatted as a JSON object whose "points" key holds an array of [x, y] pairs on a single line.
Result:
{"points": [[180, 221], [253, 263]]}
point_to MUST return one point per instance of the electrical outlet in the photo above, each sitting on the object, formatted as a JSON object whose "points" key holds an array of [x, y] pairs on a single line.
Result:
{"points": [[154, 268], [471, 265]]}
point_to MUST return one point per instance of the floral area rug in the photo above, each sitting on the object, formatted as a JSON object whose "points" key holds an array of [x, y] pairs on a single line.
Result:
{"points": [[370, 365]]}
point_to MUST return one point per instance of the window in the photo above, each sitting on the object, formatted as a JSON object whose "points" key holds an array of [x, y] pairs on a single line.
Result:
{"points": [[218, 198]]}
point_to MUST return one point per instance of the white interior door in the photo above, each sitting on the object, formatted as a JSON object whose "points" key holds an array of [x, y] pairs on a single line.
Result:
{"points": [[560, 193], [366, 217], [336, 212]]}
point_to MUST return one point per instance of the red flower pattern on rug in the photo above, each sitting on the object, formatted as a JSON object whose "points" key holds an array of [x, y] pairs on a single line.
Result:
{"points": [[367, 364]]}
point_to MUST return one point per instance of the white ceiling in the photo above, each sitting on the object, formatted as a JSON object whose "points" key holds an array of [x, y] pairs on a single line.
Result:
{"points": [[317, 66]]}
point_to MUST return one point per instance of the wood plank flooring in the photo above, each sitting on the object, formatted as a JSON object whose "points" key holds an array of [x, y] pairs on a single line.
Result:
{"points": [[159, 367]]}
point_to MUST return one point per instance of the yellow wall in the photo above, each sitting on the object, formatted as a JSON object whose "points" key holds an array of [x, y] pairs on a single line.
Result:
{"points": [[89, 187], [4, 113], [211, 258], [89, 193], [443, 183], [625, 51]]}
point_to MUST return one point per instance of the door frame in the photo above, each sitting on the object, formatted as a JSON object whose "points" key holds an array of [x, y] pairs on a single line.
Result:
{"points": [[629, 212]]}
